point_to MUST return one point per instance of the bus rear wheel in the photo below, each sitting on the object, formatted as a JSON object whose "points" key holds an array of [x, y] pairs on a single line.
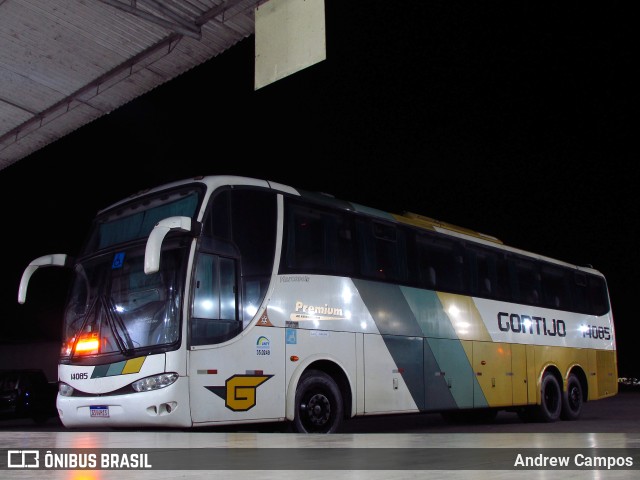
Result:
{"points": [[551, 399], [318, 405], [572, 399]]}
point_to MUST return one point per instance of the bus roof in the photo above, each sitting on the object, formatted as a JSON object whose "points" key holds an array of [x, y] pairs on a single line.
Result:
{"points": [[409, 218]]}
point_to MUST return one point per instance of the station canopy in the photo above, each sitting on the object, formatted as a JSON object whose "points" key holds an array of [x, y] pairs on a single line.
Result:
{"points": [[64, 63]]}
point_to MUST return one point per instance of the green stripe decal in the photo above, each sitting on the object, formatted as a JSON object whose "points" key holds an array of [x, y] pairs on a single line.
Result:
{"points": [[100, 371], [423, 341], [115, 369], [119, 368], [429, 312]]}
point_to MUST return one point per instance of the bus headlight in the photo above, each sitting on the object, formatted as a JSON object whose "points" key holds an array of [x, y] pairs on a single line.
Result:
{"points": [[154, 382], [65, 390]]}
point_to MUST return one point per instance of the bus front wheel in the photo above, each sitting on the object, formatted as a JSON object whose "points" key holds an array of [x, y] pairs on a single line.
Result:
{"points": [[319, 406], [572, 399]]}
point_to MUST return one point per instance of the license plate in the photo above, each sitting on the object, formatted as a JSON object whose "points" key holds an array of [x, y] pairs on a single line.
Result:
{"points": [[98, 411]]}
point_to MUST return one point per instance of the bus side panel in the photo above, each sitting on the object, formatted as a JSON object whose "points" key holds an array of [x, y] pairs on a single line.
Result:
{"points": [[449, 378], [592, 375], [607, 373], [532, 375], [384, 384], [358, 400], [240, 381], [520, 373], [492, 366]]}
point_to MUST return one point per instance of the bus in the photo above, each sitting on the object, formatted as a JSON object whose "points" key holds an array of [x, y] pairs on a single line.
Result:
{"points": [[227, 300]]}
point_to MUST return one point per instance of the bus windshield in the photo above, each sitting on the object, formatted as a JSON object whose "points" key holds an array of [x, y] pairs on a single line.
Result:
{"points": [[114, 307], [135, 220]]}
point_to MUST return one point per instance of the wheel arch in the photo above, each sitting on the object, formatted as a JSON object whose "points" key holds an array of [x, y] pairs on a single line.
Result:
{"points": [[579, 372], [550, 369], [330, 367]]}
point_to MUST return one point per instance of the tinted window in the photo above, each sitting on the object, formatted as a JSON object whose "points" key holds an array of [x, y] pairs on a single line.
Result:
{"points": [[440, 263], [381, 251], [238, 245], [525, 281], [556, 287], [488, 273], [317, 240]]}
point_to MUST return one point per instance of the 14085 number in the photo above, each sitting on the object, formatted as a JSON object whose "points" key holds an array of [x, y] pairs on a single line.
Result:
{"points": [[592, 331]]}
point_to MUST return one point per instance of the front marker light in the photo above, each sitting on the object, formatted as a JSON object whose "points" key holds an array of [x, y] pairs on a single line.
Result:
{"points": [[154, 382], [65, 390]]}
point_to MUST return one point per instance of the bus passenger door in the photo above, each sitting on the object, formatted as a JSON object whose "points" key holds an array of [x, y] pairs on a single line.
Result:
{"points": [[239, 381], [235, 374]]}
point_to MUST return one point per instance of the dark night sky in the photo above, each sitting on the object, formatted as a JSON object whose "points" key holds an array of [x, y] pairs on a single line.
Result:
{"points": [[511, 118]]}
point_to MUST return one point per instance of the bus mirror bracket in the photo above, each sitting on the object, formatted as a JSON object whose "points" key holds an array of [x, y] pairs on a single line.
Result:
{"points": [[52, 260], [156, 237]]}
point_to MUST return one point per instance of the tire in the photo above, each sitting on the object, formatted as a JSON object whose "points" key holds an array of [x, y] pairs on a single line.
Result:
{"points": [[319, 405], [572, 399], [551, 400]]}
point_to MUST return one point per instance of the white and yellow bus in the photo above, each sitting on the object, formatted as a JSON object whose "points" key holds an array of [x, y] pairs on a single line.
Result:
{"points": [[224, 300]]}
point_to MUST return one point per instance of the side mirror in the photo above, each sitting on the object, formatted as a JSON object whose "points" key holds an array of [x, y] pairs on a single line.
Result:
{"points": [[53, 260], [156, 237]]}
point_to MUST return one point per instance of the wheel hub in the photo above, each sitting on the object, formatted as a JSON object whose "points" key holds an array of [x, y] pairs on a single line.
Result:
{"points": [[318, 409]]}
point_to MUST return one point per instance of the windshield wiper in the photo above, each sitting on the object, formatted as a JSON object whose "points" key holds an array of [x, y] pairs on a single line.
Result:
{"points": [[116, 325], [85, 320]]}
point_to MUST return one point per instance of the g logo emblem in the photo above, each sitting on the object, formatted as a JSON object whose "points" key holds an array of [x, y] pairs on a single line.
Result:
{"points": [[239, 392]]}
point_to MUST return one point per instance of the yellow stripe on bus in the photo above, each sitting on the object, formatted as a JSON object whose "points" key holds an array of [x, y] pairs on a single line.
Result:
{"points": [[464, 316], [133, 366]]}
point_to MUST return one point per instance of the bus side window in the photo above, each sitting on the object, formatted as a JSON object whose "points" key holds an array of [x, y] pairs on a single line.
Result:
{"points": [[316, 241], [440, 264], [501, 272], [525, 281], [556, 287], [598, 301], [382, 251], [307, 240], [427, 273], [580, 293], [481, 280], [215, 317]]}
